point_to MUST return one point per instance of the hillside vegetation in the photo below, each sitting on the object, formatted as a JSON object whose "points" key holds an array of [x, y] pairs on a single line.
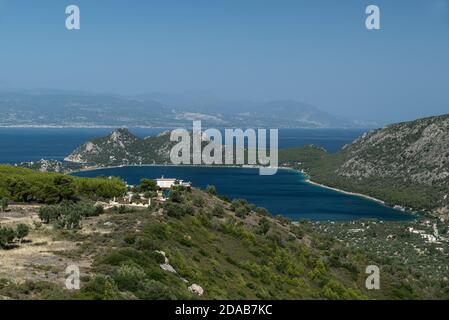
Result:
{"points": [[25, 185], [197, 245]]}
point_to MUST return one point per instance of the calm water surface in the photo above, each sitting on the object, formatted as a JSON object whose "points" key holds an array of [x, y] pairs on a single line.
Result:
{"points": [[286, 193]]}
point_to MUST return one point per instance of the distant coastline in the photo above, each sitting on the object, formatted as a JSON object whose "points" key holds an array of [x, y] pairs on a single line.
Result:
{"points": [[45, 126], [79, 127], [164, 165]]}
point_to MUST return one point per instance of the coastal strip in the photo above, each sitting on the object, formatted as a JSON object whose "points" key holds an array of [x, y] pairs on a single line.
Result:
{"points": [[307, 180], [346, 192]]}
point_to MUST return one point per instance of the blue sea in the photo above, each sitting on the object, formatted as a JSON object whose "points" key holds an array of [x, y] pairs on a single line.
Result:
{"points": [[286, 193], [30, 144]]}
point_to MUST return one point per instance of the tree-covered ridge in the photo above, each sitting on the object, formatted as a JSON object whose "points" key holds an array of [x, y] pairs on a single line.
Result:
{"points": [[25, 185], [404, 164]]}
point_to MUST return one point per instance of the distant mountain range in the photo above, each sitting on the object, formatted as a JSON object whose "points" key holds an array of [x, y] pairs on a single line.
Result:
{"points": [[73, 109]]}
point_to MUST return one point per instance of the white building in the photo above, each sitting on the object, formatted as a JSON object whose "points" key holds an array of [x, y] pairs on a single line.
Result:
{"points": [[168, 183]]}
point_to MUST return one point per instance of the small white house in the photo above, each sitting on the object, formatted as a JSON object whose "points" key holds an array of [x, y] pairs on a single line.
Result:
{"points": [[166, 183]]}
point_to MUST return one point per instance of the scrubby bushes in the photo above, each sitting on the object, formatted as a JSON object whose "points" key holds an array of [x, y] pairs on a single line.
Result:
{"points": [[175, 196], [198, 201], [22, 230], [211, 190], [262, 211], [218, 210], [8, 235], [122, 209], [174, 210], [264, 225], [68, 215], [4, 203], [241, 207]]}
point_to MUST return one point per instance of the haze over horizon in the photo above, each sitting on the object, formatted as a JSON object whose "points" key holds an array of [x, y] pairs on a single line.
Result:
{"points": [[317, 52]]}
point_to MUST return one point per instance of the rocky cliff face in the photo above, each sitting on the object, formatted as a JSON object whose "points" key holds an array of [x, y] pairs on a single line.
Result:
{"points": [[121, 147], [416, 151], [404, 164]]}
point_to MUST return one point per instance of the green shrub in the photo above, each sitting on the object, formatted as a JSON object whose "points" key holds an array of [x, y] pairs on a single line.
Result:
{"points": [[122, 209], [22, 230], [218, 210], [68, 215], [155, 290], [264, 225], [174, 210], [175, 196], [211, 190], [129, 277], [262, 211], [242, 212], [4, 203], [159, 231], [189, 210], [198, 201], [7, 236], [101, 288], [145, 244]]}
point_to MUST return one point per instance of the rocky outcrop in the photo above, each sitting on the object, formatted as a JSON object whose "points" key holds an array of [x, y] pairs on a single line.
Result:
{"points": [[121, 147], [166, 266], [196, 289]]}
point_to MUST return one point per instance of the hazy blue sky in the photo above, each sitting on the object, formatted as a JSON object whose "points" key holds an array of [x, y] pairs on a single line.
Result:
{"points": [[314, 51]]}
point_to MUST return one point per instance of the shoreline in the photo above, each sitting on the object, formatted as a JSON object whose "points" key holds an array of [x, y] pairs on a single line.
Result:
{"points": [[308, 180], [348, 192], [165, 165]]}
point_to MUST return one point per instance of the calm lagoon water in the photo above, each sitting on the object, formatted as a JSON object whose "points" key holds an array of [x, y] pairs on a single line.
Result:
{"points": [[286, 193]]}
